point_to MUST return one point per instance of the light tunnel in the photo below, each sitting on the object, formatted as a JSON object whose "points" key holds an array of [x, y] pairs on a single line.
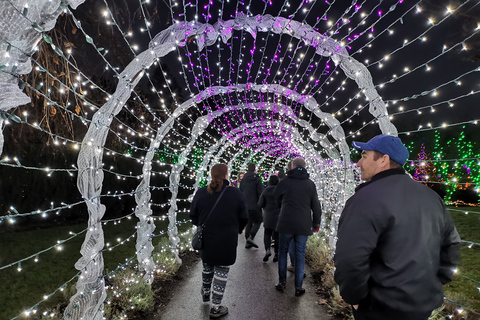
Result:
{"points": [[240, 105]]}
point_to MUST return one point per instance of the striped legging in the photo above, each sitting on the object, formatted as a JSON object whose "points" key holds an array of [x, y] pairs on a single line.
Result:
{"points": [[219, 276]]}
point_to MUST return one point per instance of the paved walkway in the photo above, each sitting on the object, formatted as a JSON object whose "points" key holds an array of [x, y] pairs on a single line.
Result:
{"points": [[250, 293]]}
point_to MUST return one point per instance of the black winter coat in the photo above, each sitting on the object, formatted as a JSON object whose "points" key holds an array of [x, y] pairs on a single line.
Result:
{"points": [[270, 209], [220, 235], [297, 197], [252, 188], [396, 246]]}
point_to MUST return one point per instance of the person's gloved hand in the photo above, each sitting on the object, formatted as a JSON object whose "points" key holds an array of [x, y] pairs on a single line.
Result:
{"points": [[316, 229]]}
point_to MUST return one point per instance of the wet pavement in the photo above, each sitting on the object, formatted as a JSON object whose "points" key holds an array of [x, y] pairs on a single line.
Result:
{"points": [[250, 293]]}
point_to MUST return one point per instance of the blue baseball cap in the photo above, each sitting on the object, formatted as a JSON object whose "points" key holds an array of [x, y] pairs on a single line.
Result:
{"points": [[385, 144]]}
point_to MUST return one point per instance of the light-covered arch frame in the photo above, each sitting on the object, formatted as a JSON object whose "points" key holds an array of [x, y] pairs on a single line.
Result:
{"points": [[144, 213], [334, 179], [20, 32], [233, 137], [242, 130], [90, 158]]}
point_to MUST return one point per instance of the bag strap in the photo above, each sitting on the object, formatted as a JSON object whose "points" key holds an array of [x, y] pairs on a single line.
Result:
{"points": [[221, 194]]}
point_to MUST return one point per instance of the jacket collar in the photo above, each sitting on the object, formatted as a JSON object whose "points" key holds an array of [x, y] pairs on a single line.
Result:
{"points": [[298, 173], [380, 175], [250, 176]]}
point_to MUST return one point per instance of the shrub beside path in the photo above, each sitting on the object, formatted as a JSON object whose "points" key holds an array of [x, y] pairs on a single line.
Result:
{"points": [[250, 292]]}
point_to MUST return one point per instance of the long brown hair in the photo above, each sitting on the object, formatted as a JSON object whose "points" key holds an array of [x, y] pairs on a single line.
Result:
{"points": [[218, 173]]}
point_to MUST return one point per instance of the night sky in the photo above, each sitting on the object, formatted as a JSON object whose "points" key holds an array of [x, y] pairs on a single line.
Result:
{"points": [[422, 59], [370, 31]]}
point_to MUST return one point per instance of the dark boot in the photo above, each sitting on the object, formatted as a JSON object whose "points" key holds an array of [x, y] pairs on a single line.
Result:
{"points": [[267, 255], [250, 241]]}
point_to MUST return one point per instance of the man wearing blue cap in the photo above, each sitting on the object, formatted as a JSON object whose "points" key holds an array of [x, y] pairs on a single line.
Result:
{"points": [[397, 244]]}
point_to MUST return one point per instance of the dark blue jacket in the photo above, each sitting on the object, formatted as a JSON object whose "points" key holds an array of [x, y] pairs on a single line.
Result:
{"points": [[252, 188], [397, 246], [297, 197]]}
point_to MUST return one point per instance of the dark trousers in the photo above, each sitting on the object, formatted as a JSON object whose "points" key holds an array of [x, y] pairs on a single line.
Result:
{"points": [[254, 221], [267, 239]]}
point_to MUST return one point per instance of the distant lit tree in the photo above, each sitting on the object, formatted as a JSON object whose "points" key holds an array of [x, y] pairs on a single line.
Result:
{"points": [[425, 170], [458, 163]]}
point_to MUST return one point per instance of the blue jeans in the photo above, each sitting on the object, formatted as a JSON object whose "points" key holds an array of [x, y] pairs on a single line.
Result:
{"points": [[300, 243], [291, 253]]}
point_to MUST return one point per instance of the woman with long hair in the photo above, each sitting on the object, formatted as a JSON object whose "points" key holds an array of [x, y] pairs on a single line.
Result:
{"points": [[220, 233]]}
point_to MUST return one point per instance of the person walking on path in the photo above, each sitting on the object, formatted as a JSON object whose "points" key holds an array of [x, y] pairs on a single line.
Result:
{"points": [[297, 197], [291, 247], [252, 188], [239, 179], [270, 218], [220, 234], [397, 244]]}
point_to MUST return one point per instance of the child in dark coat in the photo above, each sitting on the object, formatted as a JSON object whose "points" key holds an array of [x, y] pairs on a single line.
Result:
{"points": [[270, 217]]}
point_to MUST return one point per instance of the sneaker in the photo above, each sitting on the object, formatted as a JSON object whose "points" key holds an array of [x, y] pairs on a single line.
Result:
{"points": [[250, 242], [267, 255], [299, 292], [291, 268], [248, 245], [280, 286], [217, 312], [275, 257]]}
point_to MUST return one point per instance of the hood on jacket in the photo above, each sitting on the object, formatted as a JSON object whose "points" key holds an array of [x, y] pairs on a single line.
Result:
{"points": [[250, 176], [269, 190], [298, 173]]}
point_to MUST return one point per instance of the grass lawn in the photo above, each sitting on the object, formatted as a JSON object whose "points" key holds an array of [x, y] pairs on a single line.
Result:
{"points": [[461, 289], [21, 290]]}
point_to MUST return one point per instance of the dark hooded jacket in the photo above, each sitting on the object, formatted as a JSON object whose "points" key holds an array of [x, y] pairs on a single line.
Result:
{"points": [[270, 208], [252, 188], [220, 235], [297, 197], [397, 246]]}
